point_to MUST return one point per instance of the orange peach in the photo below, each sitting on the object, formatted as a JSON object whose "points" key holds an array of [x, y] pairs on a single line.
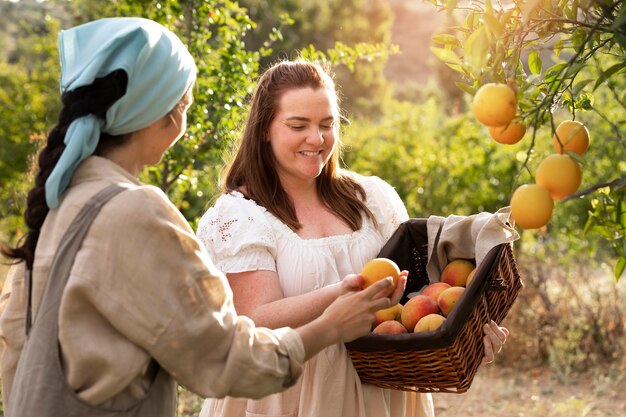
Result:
{"points": [[416, 308], [470, 277], [429, 323], [390, 327], [379, 268], [433, 290], [456, 272], [391, 313], [449, 298]]}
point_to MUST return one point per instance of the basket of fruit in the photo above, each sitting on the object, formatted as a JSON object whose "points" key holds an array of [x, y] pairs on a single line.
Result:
{"points": [[433, 341]]}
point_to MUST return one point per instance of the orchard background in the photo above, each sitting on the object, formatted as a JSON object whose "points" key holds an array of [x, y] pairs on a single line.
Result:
{"points": [[407, 71]]}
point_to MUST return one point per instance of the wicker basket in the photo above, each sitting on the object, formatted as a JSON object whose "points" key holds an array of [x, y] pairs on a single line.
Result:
{"points": [[446, 359]]}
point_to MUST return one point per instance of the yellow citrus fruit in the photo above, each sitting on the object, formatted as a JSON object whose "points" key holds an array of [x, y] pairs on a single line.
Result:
{"points": [[560, 174], [494, 104], [531, 206], [509, 134], [571, 136], [379, 268]]}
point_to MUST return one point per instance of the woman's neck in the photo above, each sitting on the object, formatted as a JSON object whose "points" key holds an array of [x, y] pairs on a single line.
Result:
{"points": [[301, 192], [125, 157]]}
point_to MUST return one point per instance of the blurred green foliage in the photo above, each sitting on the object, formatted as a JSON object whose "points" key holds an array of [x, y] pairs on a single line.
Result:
{"points": [[439, 159]]}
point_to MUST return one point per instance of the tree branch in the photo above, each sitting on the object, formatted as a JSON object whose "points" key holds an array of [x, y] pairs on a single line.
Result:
{"points": [[619, 182]]}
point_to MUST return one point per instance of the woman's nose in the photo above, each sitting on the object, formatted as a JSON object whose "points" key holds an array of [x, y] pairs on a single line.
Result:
{"points": [[316, 137]]}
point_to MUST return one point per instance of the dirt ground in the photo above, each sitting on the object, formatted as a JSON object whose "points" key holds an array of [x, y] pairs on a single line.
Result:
{"points": [[503, 392], [506, 392]]}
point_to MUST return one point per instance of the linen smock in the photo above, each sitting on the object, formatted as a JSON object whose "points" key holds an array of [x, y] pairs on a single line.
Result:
{"points": [[143, 288], [242, 236]]}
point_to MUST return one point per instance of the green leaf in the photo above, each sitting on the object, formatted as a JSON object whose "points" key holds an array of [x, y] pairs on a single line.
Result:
{"points": [[476, 49], [534, 62], [467, 88], [528, 8], [446, 39], [621, 39], [558, 47], [488, 7], [576, 157], [569, 12], [463, 69], [469, 21], [579, 86], [446, 55], [609, 73], [620, 267], [573, 69], [578, 37], [620, 21], [493, 25]]}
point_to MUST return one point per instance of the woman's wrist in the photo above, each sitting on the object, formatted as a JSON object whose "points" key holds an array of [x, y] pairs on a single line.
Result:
{"points": [[318, 334]]}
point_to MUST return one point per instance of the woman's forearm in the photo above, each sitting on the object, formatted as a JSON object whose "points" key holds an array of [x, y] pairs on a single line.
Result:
{"points": [[297, 310]]}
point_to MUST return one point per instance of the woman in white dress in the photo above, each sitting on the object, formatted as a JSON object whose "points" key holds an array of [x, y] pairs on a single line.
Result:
{"points": [[288, 227]]}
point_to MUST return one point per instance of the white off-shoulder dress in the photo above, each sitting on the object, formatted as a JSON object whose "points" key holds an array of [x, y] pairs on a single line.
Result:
{"points": [[242, 236]]}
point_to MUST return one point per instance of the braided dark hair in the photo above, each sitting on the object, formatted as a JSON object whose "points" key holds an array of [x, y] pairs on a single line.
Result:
{"points": [[95, 99]]}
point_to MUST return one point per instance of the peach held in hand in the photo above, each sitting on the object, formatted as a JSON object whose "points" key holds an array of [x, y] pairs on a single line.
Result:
{"points": [[416, 308], [391, 313], [379, 268], [448, 299], [429, 323], [434, 289], [390, 327], [456, 272]]}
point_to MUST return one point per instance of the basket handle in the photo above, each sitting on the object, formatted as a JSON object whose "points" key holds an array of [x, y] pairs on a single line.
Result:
{"points": [[496, 282]]}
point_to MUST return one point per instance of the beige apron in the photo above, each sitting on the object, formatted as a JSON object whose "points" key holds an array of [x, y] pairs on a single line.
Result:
{"points": [[40, 387]]}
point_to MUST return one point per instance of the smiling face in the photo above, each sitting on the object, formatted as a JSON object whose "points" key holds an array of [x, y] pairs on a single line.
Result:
{"points": [[303, 134]]}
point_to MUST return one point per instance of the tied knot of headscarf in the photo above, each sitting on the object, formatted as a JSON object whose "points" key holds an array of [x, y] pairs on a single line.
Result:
{"points": [[160, 70]]}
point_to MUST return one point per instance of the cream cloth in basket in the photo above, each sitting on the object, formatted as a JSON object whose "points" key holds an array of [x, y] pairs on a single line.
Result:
{"points": [[467, 237]]}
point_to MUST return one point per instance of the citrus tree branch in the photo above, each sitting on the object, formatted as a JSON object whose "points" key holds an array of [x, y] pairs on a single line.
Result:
{"points": [[616, 183]]}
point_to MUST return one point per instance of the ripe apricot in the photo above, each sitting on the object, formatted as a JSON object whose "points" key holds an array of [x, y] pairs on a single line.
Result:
{"points": [[456, 272], [390, 327], [448, 299], [572, 136], [560, 174], [379, 268], [391, 313], [494, 104], [416, 308], [429, 323], [531, 206], [470, 277], [509, 134]]}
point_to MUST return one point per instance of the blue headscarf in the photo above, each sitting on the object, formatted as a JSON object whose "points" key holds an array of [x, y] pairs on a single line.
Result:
{"points": [[159, 67]]}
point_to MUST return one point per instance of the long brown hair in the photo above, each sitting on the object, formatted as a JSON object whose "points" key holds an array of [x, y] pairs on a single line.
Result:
{"points": [[253, 170]]}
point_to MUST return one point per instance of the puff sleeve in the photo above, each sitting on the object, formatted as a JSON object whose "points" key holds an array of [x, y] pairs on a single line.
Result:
{"points": [[237, 235]]}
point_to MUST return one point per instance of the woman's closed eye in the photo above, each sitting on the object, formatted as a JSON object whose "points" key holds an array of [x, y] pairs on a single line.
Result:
{"points": [[324, 127]]}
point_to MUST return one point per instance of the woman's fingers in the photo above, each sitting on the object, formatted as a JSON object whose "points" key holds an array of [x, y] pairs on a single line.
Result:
{"points": [[489, 355], [495, 337], [398, 292], [378, 293]]}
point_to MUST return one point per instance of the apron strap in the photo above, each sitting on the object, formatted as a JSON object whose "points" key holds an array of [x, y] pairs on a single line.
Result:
{"points": [[66, 252]]}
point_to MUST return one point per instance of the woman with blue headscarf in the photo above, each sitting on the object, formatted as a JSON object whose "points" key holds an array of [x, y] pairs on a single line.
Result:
{"points": [[112, 299]]}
